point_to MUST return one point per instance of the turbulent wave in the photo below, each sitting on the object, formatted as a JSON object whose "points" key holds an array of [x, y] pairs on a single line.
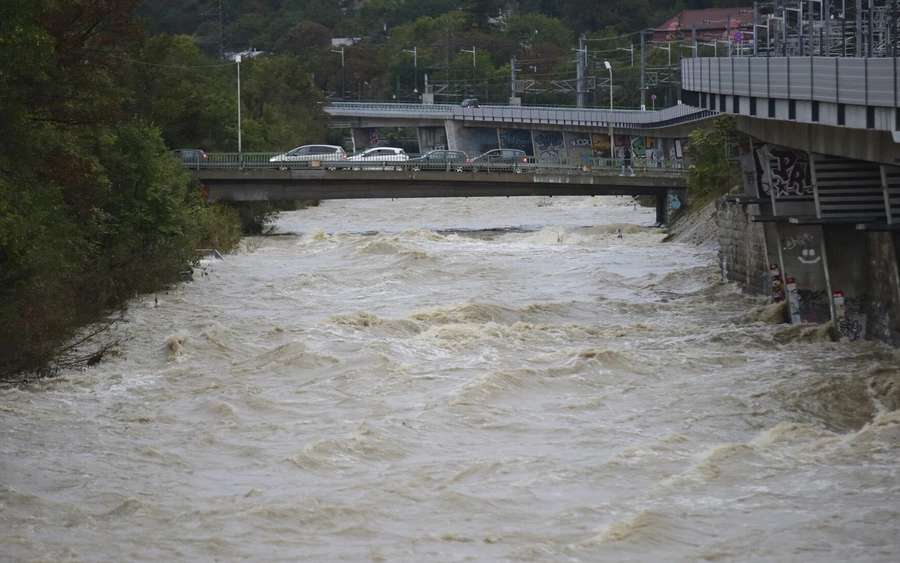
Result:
{"points": [[176, 345], [365, 444]]}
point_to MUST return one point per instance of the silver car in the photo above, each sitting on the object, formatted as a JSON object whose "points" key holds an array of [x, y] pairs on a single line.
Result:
{"points": [[376, 158], [329, 155]]}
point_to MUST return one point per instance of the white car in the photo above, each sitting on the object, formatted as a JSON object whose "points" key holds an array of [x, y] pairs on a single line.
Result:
{"points": [[328, 155], [377, 156]]}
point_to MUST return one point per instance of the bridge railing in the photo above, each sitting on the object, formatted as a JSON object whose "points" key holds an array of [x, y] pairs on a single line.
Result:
{"points": [[531, 115], [531, 165]]}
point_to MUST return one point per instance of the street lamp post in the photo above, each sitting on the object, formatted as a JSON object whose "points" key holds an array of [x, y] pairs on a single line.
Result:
{"points": [[342, 69], [612, 142], [237, 59], [473, 66], [415, 66]]}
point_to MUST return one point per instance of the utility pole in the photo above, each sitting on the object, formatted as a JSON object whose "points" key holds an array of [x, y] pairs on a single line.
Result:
{"points": [[694, 42], [513, 99], [643, 82], [579, 73], [755, 21], [727, 37], [859, 33]]}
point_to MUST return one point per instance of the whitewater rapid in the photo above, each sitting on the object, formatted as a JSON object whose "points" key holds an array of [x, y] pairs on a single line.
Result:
{"points": [[458, 380]]}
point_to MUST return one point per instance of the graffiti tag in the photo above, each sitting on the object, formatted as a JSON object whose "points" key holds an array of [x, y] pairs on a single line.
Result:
{"points": [[547, 141], [583, 143], [790, 173], [798, 241], [515, 138]]}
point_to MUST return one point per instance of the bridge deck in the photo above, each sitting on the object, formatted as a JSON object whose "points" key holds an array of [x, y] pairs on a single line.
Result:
{"points": [[313, 184]]}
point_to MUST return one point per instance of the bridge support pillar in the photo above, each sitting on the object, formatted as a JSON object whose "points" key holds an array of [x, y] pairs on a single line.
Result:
{"points": [[801, 251], [662, 209], [847, 269]]}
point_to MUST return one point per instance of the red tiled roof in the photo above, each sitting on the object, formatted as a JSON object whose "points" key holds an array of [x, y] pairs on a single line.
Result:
{"points": [[707, 23]]}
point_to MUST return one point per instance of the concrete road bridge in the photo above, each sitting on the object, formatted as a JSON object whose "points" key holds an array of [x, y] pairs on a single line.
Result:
{"points": [[251, 177], [539, 131]]}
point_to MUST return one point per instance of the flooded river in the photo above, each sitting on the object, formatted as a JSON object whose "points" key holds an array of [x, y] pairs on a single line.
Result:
{"points": [[459, 380]]}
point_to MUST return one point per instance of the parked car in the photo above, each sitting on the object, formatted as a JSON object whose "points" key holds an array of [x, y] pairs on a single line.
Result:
{"points": [[440, 160], [505, 160], [191, 158], [376, 158], [329, 155], [470, 103]]}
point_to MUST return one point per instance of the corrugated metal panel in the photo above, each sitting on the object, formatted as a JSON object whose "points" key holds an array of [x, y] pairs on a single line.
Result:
{"points": [[849, 188], [851, 82], [825, 81], [881, 82], [715, 75], [687, 74], [892, 175], [801, 78], [759, 80], [705, 81], [726, 76], [778, 78], [742, 77]]}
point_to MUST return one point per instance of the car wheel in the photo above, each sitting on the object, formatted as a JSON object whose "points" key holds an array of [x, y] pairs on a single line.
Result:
{"points": [[518, 170], [416, 168], [459, 168], [354, 168]]}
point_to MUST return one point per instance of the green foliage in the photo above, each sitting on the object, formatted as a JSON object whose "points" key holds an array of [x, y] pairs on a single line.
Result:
{"points": [[537, 28], [93, 208], [712, 173]]}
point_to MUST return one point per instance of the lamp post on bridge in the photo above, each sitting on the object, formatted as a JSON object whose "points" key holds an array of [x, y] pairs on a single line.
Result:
{"points": [[342, 70], [237, 59], [473, 66], [612, 142], [414, 51]]}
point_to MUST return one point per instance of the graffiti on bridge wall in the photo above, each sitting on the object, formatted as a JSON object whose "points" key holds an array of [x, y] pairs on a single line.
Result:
{"points": [[578, 146], [517, 139], [479, 140], [775, 170], [790, 173], [550, 146]]}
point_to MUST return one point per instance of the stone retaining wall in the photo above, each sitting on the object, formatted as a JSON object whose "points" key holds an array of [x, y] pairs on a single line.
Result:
{"points": [[742, 247], [883, 304]]}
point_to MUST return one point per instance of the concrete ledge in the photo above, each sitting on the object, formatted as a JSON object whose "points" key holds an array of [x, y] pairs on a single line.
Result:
{"points": [[885, 227], [813, 220]]}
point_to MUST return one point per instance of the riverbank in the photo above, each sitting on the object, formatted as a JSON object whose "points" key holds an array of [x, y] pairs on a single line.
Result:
{"points": [[697, 227]]}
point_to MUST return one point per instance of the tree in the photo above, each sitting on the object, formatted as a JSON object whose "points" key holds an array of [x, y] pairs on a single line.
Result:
{"points": [[529, 29], [712, 173]]}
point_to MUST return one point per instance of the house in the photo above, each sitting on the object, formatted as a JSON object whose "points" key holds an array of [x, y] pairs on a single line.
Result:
{"points": [[250, 54], [345, 41], [710, 24]]}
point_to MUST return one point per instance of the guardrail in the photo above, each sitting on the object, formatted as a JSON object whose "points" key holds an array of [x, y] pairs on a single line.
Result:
{"points": [[534, 115], [531, 165]]}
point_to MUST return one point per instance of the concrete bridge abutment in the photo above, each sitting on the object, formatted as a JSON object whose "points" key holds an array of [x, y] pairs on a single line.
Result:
{"points": [[819, 231]]}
